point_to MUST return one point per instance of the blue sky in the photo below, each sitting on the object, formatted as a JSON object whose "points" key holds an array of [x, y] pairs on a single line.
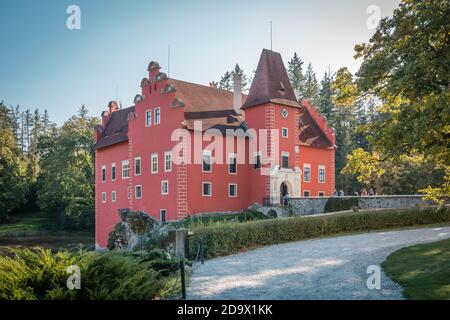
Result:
{"points": [[47, 66]]}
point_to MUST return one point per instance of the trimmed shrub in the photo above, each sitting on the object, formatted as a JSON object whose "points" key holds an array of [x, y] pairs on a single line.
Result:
{"points": [[224, 239], [205, 220], [340, 204], [40, 274]]}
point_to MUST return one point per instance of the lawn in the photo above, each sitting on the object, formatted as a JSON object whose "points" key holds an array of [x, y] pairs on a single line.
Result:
{"points": [[34, 229], [422, 270]]}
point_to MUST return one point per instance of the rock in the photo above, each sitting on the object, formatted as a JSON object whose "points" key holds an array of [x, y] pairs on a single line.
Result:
{"points": [[136, 230]]}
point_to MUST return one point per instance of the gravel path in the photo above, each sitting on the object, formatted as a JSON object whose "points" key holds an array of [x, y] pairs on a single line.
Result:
{"points": [[332, 268]]}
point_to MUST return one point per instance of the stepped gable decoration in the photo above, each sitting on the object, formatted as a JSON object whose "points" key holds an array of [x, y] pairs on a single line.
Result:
{"points": [[138, 98], [168, 88], [145, 83], [153, 65], [271, 83]]}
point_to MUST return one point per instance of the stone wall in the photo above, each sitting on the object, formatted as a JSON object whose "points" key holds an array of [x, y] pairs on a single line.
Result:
{"points": [[316, 205]]}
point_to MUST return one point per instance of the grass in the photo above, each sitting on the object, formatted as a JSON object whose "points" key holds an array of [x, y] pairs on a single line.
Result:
{"points": [[422, 270], [34, 229]]}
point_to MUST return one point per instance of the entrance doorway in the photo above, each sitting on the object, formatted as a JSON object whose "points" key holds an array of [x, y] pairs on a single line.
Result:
{"points": [[284, 189]]}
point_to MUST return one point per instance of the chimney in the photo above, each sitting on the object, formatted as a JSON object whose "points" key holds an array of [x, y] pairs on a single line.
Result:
{"points": [[237, 94], [113, 106]]}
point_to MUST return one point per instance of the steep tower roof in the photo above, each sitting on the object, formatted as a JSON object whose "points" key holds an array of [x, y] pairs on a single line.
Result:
{"points": [[271, 82]]}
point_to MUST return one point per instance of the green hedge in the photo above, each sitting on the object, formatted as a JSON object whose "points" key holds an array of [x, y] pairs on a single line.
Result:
{"points": [[226, 239], [340, 204]]}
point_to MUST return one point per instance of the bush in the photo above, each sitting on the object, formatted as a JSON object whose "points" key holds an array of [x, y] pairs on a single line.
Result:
{"points": [[340, 204], [204, 220], [226, 239], [40, 274]]}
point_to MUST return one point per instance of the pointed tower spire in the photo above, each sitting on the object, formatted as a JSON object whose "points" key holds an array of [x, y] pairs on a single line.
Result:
{"points": [[271, 83]]}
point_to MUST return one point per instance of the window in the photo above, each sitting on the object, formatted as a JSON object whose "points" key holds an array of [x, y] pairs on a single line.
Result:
{"points": [[285, 160], [306, 173], [103, 173], [284, 132], [138, 192], [113, 172], [113, 196], [103, 196], [148, 118], [168, 161], [154, 163], [157, 116], [322, 174], [232, 166], [206, 189], [257, 163], [321, 194], [137, 166], [125, 169], [164, 187], [162, 215], [232, 190], [306, 193], [206, 161]]}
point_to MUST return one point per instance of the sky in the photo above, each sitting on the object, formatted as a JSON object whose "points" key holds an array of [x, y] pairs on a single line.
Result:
{"points": [[45, 65]]}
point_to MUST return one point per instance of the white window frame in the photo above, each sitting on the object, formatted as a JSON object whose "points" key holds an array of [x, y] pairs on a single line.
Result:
{"points": [[140, 166], [162, 189], [309, 192], [165, 215], [208, 153], [113, 196], [203, 189], [113, 169], [306, 165], [324, 173], [282, 132], [168, 153], [154, 156], [236, 188], [104, 197], [126, 162], [148, 119], [135, 191], [232, 156], [157, 112], [284, 154], [103, 171]]}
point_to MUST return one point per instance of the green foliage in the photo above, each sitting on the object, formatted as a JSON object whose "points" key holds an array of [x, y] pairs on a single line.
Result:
{"points": [[311, 87], [66, 183], [340, 204], [204, 220], [407, 65], [13, 178], [41, 274], [296, 76], [422, 270], [226, 239], [34, 274]]}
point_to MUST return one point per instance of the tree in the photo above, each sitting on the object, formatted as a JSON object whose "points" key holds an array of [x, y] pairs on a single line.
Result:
{"points": [[13, 182], [66, 183], [225, 82], [238, 72], [325, 103], [311, 88], [407, 65], [296, 76]]}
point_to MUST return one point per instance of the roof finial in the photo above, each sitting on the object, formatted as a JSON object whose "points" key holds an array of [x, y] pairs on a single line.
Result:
{"points": [[168, 61], [270, 35]]}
